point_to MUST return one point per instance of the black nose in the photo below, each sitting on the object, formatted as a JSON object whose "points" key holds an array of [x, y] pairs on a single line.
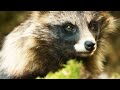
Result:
{"points": [[89, 45]]}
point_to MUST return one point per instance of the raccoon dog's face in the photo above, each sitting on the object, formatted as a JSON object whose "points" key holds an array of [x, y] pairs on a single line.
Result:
{"points": [[75, 32]]}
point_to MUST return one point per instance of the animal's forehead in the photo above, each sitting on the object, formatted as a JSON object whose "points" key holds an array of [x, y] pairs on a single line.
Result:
{"points": [[71, 12], [57, 17]]}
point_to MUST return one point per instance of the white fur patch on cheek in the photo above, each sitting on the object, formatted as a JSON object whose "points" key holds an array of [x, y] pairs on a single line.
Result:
{"points": [[79, 47]]}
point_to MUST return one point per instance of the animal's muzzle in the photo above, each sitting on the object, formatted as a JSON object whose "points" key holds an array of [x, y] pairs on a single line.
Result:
{"points": [[89, 45]]}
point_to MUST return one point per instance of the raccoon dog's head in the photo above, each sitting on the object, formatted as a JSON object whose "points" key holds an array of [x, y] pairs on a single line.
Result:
{"points": [[74, 31]]}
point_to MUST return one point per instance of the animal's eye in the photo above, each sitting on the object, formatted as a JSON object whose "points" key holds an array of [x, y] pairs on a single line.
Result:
{"points": [[69, 27], [93, 25]]}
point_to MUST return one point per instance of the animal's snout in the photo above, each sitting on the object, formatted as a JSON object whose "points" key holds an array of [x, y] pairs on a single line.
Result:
{"points": [[89, 45]]}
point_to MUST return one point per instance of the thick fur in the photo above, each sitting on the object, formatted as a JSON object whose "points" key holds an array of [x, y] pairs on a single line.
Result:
{"points": [[37, 46]]}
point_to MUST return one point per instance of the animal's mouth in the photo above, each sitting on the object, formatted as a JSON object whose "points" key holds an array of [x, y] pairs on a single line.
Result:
{"points": [[85, 54], [86, 50]]}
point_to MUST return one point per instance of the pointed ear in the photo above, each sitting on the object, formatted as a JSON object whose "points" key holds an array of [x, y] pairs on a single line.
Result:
{"points": [[38, 13], [43, 12], [105, 11]]}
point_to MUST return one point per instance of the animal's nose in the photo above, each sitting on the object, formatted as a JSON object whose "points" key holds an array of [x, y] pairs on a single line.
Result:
{"points": [[89, 45]]}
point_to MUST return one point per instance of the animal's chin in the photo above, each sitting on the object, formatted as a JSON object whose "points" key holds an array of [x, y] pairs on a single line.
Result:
{"points": [[84, 54]]}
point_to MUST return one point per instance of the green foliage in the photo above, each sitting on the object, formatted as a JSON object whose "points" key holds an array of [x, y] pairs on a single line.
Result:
{"points": [[115, 76], [72, 70]]}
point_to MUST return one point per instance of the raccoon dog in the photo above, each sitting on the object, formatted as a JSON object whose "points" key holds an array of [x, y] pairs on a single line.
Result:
{"points": [[48, 39]]}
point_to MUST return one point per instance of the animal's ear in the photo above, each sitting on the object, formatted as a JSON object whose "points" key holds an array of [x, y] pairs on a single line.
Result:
{"points": [[43, 12], [103, 11], [38, 13], [105, 14]]}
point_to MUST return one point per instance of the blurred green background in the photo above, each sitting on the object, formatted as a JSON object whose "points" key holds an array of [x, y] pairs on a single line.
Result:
{"points": [[11, 19]]}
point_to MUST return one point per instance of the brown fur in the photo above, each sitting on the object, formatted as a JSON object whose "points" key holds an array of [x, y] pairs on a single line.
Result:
{"points": [[32, 49]]}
